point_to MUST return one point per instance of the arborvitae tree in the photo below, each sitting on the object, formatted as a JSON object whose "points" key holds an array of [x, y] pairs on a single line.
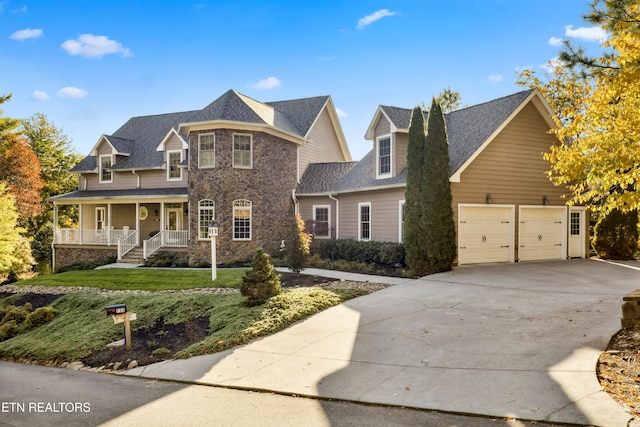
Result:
{"points": [[262, 282], [298, 249], [437, 220], [414, 233]]}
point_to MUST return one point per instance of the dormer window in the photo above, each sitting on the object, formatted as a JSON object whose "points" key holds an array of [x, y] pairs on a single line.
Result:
{"points": [[106, 163], [174, 171], [383, 158]]}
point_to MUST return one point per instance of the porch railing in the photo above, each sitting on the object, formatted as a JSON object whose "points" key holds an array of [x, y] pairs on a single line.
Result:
{"points": [[89, 237], [127, 243], [165, 238]]}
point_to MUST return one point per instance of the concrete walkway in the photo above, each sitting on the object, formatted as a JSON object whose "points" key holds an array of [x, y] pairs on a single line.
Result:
{"points": [[502, 340]]}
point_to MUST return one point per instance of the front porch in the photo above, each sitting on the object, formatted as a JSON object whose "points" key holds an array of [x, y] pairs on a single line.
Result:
{"points": [[121, 224]]}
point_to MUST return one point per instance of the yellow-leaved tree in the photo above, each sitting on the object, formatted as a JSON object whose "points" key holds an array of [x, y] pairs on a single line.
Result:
{"points": [[598, 113]]}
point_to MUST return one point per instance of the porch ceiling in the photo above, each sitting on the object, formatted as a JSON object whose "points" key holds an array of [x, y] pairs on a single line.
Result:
{"points": [[132, 195]]}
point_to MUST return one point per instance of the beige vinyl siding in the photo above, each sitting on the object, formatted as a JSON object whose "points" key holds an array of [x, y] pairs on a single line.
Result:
{"points": [[306, 205], [384, 213], [322, 144], [512, 168], [400, 142]]}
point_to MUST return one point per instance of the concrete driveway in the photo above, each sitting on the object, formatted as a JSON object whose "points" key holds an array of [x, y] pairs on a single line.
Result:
{"points": [[503, 340]]}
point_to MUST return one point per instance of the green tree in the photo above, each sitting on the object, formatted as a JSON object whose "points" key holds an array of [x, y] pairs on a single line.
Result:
{"points": [[53, 149], [7, 124], [449, 100], [616, 235], [414, 233], [298, 249], [262, 281], [439, 227], [11, 241]]}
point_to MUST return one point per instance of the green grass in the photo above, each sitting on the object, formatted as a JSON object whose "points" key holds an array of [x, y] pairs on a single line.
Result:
{"points": [[81, 325], [142, 279]]}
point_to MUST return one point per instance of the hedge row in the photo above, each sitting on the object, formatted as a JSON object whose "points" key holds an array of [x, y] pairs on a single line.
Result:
{"points": [[381, 253]]}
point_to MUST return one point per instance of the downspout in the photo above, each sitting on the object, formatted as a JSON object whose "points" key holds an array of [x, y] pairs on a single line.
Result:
{"points": [[296, 210], [337, 215], [133, 171]]}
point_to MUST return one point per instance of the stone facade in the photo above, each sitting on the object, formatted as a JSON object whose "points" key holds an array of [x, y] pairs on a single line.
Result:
{"points": [[268, 185], [66, 256]]}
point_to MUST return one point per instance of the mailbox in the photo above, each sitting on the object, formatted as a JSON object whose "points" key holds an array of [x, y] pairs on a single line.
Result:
{"points": [[115, 309]]}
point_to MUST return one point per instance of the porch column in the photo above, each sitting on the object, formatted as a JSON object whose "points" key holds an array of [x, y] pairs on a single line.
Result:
{"points": [[55, 222], [80, 220], [108, 224], [162, 226], [138, 223]]}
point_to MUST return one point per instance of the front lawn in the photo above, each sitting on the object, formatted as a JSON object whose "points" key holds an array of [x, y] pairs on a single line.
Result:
{"points": [[142, 279]]}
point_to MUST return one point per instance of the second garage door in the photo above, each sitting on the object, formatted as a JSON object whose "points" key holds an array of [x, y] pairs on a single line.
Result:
{"points": [[542, 233], [485, 233]]}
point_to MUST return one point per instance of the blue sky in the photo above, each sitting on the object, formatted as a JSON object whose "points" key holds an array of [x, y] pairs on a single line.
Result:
{"points": [[90, 66]]}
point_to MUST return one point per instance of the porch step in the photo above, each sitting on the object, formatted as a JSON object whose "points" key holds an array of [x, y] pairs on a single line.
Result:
{"points": [[135, 256]]}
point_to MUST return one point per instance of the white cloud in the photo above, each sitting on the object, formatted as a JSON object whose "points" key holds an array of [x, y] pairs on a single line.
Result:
{"points": [[39, 95], [551, 65], [526, 67], [341, 113], [27, 33], [91, 46], [370, 19], [72, 92], [595, 34], [268, 83], [495, 78], [555, 41]]}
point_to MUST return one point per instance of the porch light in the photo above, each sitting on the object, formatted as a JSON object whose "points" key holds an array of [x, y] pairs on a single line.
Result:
{"points": [[213, 233], [213, 229]]}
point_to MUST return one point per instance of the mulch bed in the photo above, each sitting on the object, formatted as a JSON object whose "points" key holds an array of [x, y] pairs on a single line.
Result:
{"points": [[619, 369]]}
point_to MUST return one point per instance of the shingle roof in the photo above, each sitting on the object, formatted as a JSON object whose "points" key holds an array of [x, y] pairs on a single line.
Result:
{"points": [[302, 113], [140, 136], [322, 177], [467, 130]]}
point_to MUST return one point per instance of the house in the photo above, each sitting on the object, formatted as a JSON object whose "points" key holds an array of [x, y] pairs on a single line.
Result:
{"points": [[157, 182], [505, 207]]}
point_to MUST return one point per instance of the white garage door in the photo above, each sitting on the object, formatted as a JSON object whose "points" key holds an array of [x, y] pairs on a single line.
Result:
{"points": [[485, 233], [542, 233]]}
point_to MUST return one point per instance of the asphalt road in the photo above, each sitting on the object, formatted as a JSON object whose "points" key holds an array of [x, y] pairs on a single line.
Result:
{"points": [[33, 395]]}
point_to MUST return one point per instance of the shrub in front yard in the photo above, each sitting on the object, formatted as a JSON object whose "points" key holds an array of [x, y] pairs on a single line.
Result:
{"points": [[40, 316], [8, 330], [261, 282]]}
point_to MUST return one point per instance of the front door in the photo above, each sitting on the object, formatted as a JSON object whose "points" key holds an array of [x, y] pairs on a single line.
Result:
{"points": [[576, 232], [174, 219]]}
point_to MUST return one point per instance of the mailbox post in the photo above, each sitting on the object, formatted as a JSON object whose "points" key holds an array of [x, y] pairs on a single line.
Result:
{"points": [[213, 233], [121, 315]]}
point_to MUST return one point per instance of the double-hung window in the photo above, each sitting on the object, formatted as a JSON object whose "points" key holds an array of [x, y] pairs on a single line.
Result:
{"points": [[206, 150], [241, 220], [206, 214], [242, 151], [174, 171], [364, 221], [321, 222], [383, 157], [106, 175]]}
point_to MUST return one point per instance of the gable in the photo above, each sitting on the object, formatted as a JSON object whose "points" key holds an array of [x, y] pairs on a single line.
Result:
{"points": [[471, 130]]}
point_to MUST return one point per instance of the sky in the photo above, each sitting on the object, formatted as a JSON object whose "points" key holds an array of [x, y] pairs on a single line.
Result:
{"points": [[89, 66]]}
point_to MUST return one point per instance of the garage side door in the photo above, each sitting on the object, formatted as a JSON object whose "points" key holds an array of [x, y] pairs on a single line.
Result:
{"points": [[485, 234], [542, 233]]}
